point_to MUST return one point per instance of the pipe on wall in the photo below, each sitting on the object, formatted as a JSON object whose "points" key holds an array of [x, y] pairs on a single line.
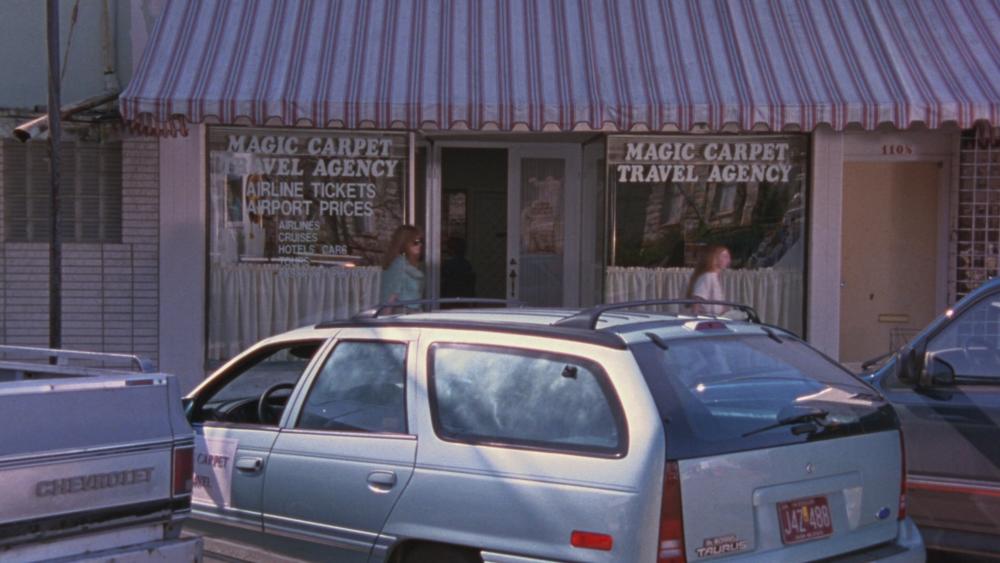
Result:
{"points": [[39, 125]]}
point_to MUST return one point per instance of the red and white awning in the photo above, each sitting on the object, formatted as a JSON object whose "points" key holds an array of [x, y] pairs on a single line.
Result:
{"points": [[614, 65]]}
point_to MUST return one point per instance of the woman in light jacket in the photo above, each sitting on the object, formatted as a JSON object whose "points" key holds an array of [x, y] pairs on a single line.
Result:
{"points": [[402, 278]]}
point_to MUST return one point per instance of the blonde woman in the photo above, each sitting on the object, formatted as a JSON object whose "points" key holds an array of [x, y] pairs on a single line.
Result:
{"points": [[706, 282], [402, 278]]}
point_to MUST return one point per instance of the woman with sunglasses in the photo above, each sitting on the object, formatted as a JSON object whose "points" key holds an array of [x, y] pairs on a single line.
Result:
{"points": [[402, 278]]}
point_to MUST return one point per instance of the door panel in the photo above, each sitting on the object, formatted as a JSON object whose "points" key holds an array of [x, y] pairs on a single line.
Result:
{"points": [[543, 256], [244, 474], [232, 442], [889, 255], [344, 456], [953, 454], [488, 236], [336, 489]]}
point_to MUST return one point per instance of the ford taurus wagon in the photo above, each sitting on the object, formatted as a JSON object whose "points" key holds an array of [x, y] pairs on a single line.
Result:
{"points": [[616, 433]]}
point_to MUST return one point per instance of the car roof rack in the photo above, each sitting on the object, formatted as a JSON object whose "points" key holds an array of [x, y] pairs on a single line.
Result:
{"points": [[588, 317], [376, 311]]}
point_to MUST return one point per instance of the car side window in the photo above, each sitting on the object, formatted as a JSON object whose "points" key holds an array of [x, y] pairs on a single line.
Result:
{"points": [[236, 399], [971, 342], [361, 388], [492, 395]]}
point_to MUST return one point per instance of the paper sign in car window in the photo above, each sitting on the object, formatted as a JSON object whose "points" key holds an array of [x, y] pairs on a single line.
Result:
{"points": [[213, 470]]}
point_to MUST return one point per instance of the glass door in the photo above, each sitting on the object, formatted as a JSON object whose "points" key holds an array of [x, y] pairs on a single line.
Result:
{"points": [[543, 222]]}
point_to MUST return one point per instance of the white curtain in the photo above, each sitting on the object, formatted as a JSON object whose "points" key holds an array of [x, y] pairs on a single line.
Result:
{"points": [[249, 302], [776, 294]]}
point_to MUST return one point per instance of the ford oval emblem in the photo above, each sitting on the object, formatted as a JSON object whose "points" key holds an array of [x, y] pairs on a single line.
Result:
{"points": [[883, 513]]}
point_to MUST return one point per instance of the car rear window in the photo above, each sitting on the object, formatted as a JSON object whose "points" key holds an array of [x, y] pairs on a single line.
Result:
{"points": [[716, 395], [532, 399]]}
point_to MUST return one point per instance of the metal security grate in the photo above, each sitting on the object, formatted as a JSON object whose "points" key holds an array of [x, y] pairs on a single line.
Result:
{"points": [[975, 236], [91, 192]]}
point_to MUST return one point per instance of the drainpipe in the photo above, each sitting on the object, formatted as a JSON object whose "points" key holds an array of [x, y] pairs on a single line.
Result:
{"points": [[39, 125]]}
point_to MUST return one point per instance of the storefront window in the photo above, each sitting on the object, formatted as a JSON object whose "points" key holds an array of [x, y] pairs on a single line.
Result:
{"points": [[674, 197], [298, 222]]}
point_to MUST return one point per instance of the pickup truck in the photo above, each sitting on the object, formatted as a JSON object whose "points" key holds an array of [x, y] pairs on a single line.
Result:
{"points": [[95, 459]]}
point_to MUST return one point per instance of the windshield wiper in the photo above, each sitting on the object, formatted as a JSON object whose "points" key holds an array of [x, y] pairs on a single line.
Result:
{"points": [[808, 421]]}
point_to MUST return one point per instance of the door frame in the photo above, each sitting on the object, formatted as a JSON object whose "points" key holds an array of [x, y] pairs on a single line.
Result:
{"points": [[830, 150], [572, 227]]}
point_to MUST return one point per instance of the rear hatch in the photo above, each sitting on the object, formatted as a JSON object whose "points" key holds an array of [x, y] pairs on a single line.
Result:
{"points": [[810, 500], [781, 453]]}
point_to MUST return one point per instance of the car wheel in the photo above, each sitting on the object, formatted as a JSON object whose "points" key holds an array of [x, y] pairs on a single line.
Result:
{"points": [[434, 553]]}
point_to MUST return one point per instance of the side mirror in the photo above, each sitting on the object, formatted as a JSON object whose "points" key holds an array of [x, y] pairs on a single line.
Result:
{"points": [[937, 373], [907, 369]]}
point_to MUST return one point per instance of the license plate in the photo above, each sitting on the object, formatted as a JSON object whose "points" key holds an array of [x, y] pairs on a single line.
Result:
{"points": [[804, 519]]}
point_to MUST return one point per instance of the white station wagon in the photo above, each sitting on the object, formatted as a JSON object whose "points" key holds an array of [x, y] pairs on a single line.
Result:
{"points": [[526, 435]]}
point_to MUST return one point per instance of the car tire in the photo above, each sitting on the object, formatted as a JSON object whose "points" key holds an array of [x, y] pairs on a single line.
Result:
{"points": [[436, 553]]}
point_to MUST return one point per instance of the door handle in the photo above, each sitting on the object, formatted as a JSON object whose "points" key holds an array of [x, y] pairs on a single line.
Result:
{"points": [[381, 481], [513, 278], [249, 464]]}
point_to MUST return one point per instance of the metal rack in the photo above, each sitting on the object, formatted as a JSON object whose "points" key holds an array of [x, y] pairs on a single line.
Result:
{"points": [[975, 232]]}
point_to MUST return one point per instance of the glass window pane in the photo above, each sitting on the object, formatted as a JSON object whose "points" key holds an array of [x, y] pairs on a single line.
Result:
{"points": [[676, 199], [361, 388], [519, 397], [542, 199], [726, 394], [288, 210], [971, 343], [236, 397]]}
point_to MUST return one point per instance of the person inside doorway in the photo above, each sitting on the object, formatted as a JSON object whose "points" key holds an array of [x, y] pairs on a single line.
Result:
{"points": [[402, 278], [458, 279], [706, 281]]}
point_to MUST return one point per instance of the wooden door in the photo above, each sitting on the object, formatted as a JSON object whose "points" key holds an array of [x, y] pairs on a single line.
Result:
{"points": [[889, 255]]}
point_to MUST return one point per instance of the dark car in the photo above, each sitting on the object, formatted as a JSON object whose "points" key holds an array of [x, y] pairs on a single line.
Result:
{"points": [[945, 385]]}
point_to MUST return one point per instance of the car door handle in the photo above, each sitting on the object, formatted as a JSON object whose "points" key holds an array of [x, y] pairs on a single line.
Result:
{"points": [[381, 481], [249, 464]]}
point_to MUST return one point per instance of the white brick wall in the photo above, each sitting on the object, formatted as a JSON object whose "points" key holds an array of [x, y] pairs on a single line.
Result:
{"points": [[110, 291]]}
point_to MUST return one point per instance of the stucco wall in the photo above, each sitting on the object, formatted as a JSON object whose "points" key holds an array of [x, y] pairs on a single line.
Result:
{"points": [[24, 54], [182, 261]]}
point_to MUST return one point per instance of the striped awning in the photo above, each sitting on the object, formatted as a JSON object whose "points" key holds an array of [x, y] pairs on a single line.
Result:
{"points": [[612, 65]]}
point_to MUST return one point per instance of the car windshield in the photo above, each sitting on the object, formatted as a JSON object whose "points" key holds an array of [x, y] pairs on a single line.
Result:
{"points": [[741, 392]]}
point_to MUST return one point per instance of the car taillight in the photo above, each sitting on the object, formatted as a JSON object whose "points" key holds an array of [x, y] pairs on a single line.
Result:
{"points": [[671, 546], [902, 480], [183, 470]]}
